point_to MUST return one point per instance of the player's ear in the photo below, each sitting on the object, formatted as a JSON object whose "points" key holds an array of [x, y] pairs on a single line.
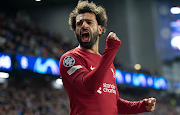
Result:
{"points": [[100, 29]]}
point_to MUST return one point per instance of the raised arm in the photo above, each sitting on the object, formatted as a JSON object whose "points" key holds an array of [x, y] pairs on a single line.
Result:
{"points": [[90, 81]]}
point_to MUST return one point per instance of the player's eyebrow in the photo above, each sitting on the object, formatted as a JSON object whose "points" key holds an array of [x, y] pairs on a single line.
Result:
{"points": [[85, 20], [89, 20]]}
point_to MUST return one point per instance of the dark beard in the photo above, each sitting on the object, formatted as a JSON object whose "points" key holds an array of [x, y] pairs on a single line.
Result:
{"points": [[89, 44]]}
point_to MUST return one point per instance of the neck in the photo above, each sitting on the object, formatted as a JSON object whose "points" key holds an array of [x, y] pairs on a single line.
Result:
{"points": [[94, 49]]}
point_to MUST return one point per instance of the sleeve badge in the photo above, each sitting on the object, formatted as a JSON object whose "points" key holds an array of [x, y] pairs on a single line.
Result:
{"points": [[68, 61]]}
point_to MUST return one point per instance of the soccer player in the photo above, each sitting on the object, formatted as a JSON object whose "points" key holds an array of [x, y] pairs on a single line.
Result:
{"points": [[88, 76]]}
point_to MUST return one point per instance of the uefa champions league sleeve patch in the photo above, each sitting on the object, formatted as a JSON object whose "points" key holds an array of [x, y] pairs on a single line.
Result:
{"points": [[68, 61]]}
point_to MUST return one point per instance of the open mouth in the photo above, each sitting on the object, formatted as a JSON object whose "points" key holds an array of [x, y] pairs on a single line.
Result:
{"points": [[85, 36]]}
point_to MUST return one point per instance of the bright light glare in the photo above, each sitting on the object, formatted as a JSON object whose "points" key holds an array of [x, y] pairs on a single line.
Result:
{"points": [[137, 66], [38, 0], [24, 62], [175, 10], [175, 42], [4, 75], [5, 61], [57, 84], [59, 81], [128, 78]]}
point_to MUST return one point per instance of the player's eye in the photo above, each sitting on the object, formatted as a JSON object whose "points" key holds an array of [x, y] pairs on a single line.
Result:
{"points": [[89, 22], [78, 23]]}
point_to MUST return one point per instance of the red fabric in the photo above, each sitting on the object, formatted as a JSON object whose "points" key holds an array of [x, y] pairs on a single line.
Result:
{"points": [[129, 107], [94, 92]]}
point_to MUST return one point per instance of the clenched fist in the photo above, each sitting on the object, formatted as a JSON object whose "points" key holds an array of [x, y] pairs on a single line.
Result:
{"points": [[150, 104], [113, 36]]}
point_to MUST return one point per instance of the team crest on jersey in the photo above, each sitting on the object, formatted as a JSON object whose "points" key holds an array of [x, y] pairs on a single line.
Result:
{"points": [[68, 61]]}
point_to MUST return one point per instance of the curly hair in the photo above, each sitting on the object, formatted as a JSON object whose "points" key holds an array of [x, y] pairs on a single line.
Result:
{"points": [[86, 7]]}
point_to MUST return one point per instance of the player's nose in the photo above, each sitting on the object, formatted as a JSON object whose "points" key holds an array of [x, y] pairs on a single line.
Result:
{"points": [[84, 25]]}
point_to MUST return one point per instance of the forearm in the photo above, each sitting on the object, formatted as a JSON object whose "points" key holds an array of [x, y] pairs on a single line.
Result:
{"points": [[130, 107]]}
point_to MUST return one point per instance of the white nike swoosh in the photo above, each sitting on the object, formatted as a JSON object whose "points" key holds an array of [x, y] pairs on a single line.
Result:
{"points": [[92, 68]]}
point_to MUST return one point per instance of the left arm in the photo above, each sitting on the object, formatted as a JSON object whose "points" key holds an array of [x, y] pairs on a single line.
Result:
{"points": [[135, 107], [131, 107]]}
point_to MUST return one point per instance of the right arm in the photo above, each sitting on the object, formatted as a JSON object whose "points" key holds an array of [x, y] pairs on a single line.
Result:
{"points": [[90, 81]]}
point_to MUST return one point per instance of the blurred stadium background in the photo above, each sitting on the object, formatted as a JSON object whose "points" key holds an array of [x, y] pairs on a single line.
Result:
{"points": [[34, 35]]}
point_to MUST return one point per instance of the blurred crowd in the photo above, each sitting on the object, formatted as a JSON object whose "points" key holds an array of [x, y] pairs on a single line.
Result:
{"points": [[33, 101], [163, 104], [18, 36], [50, 101]]}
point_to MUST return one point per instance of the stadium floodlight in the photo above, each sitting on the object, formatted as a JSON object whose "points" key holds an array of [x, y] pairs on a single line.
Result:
{"points": [[137, 66], [4, 75], [175, 10]]}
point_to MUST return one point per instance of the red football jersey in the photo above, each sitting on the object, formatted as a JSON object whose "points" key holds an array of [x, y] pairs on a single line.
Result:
{"points": [[89, 80]]}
